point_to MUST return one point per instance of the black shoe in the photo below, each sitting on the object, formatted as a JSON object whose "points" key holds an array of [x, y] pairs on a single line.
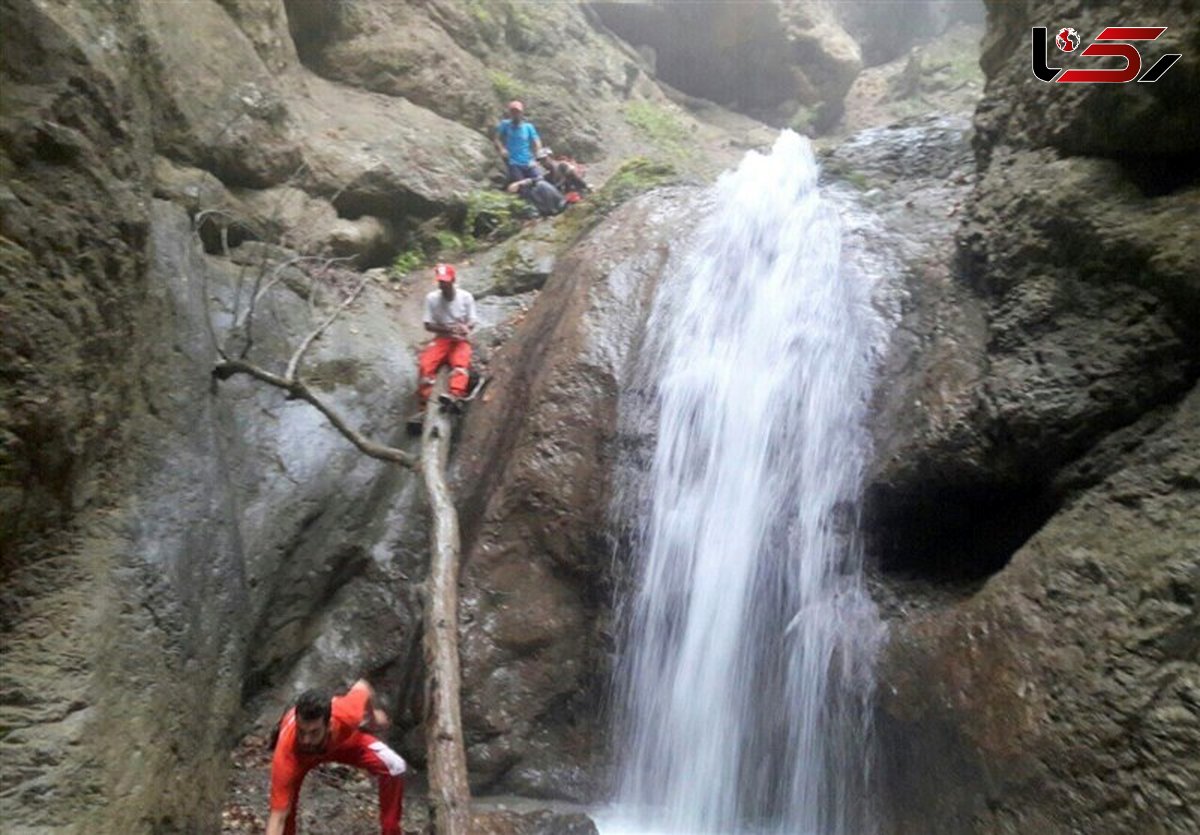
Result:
{"points": [[450, 403]]}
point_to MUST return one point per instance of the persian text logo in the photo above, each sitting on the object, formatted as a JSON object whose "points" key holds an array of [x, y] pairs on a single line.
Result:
{"points": [[1114, 41]]}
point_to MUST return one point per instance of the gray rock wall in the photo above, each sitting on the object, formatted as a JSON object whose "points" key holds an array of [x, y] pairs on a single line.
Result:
{"points": [[1052, 414]]}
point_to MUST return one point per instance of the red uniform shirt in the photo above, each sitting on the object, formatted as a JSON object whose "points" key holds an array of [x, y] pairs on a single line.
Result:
{"points": [[289, 766]]}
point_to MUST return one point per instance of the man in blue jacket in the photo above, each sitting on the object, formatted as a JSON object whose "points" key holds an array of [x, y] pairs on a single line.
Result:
{"points": [[518, 143]]}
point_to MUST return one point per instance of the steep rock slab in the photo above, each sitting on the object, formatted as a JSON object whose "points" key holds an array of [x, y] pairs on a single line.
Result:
{"points": [[533, 474], [216, 105], [73, 150], [1059, 696], [464, 60], [265, 23], [379, 155], [1065, 696], [1083, 271], [234, 519]]}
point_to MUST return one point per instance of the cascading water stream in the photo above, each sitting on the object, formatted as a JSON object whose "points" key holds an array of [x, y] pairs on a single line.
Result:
{"points": [[745, 680]]}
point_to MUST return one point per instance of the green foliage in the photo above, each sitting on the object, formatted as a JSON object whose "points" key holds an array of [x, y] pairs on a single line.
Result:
{"points": [[406, 262], [839, 170], [505, 86], [804, 120], [494, 214], [635, 176], [657, 123], [448, 241], [669, 136]]}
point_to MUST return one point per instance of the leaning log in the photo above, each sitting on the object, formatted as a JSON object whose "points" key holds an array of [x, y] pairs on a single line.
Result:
{"points": [[449, 792]]}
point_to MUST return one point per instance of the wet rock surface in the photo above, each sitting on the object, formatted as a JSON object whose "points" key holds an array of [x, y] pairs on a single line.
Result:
{"points": [[1038, 465], [1063, 696], [533, 473]]}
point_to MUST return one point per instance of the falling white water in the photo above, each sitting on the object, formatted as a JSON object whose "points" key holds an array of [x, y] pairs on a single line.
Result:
{"points": [[745, 677]]}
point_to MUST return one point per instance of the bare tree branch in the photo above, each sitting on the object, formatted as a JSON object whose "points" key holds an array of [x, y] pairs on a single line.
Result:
{"points": [[294, 363], [299, 390]]}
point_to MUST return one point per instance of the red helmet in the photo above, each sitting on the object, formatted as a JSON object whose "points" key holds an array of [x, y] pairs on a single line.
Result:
{"points": [[516, 105], [443, 272]]}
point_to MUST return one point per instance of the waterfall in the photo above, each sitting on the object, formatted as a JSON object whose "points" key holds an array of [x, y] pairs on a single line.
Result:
{"points": [[744, 679]]}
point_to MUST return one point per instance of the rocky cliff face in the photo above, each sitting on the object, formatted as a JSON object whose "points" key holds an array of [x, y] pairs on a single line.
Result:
{"points": [[1048, 408]]}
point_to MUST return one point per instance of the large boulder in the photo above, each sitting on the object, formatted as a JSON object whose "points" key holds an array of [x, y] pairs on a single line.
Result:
{"points": [[764, 59], [1065, 695], [374, 154], [1081, 272], [215, 102], [533, 472], [1140, 121], [465, 60]]}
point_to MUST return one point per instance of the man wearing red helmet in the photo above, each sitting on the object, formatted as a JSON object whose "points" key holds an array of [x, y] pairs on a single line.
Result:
{"points": [[450, 316], [518, 144]]}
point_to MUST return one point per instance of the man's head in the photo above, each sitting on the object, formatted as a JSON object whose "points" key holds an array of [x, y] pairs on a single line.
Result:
{"points": [[516, 110], [312, 721], [543, 156], [444, 275]]}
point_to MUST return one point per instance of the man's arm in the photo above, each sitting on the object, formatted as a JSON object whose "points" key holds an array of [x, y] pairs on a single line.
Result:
{"points": [[373, 718], [439, 329], [472, 319], [285, 786], [496, 141], [277, 821]]}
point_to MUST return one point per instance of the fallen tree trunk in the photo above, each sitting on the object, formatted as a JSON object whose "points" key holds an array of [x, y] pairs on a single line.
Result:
{"points": [[449, 792]]}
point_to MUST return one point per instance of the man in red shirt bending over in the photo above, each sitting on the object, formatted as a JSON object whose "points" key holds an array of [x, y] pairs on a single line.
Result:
{"points": [[322, 730]]}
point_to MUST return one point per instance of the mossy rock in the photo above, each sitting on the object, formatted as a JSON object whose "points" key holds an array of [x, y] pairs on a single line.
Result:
{"points": [[494, 215]]}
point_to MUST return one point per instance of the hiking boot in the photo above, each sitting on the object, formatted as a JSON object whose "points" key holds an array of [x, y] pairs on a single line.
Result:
{"points": [[450, 403]]}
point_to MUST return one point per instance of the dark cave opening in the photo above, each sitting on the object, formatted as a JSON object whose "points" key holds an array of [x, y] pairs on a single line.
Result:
{"points": [[954, 534], [312, 24], [1157, 175]]}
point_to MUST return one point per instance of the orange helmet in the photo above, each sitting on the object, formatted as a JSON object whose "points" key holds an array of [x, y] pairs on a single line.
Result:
{"points": [[443, 272]]}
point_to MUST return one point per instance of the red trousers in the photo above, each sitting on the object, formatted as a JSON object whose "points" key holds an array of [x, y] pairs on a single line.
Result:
{"points": [[366, 752], [444, 351]]}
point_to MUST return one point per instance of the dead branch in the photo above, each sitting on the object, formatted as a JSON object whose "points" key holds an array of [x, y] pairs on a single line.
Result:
{"points": [[294, 363], [299, 390]]}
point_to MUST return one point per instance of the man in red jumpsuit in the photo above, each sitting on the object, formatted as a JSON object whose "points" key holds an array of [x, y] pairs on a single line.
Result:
{"points": [[450, 316], [322, 730]]}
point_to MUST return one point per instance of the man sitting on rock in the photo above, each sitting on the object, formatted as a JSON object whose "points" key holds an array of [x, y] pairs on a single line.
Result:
{"points": [[518, 142], [547, 199], [322, 730], [450, 316]]}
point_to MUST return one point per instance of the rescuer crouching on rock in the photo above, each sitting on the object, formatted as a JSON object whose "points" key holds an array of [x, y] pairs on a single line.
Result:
{"points": [[324, 730]]}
